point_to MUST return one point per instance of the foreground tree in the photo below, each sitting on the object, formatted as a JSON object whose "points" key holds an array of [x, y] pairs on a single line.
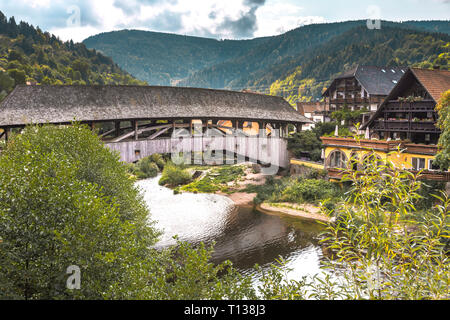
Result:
{"points": [[380, 246], [65, 199]]}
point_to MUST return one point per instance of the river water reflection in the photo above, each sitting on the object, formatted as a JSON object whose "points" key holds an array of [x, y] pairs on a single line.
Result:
{"points": [[242, 235]]}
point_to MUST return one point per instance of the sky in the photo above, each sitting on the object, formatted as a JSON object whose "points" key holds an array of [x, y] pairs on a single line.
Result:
{"points": [[220, 19]]}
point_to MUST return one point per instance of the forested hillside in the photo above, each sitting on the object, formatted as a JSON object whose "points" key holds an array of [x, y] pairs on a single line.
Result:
{"points": [[239, 72], [307, 75], [169, 59], [163, 58], [30, 54]]}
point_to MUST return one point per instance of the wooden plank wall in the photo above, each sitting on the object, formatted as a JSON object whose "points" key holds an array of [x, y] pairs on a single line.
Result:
{"points": [[269, 150]]}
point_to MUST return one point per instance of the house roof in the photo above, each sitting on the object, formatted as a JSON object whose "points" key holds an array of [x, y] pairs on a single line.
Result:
{"points": [[64, 104], [435, 82], [375, 80], [310, 107]]}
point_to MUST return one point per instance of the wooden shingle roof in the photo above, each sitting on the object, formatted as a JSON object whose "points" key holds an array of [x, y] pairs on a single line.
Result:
{"points": [[435, 82], [64, 104]]}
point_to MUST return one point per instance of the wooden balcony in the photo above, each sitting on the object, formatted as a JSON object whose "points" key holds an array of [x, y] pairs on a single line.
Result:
{"points": [[350, 101], [421, 148], [443, 176], [380, 145], [403, 125], [418, 106]]}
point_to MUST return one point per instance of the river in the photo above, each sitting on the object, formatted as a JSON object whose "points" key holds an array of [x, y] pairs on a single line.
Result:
{"points": [[241, 234]]}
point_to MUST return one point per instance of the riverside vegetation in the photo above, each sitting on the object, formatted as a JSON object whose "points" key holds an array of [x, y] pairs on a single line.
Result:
{"points": [[66, 199]]}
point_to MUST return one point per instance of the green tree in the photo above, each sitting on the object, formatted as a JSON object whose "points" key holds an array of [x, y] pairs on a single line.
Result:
{"points": [[305, 143], [443, 109], [378, 246], [83, 67], [19, 76], [6, 82], [66, 200]]}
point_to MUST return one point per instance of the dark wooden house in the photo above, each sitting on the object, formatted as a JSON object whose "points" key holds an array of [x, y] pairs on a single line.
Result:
{"points": [[408, 113], [362, 87]]}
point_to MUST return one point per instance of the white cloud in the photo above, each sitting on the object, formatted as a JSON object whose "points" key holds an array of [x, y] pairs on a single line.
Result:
{"points": [[276, 18]]}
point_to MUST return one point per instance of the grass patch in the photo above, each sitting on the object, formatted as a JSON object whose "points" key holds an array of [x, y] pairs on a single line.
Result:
{"points": [[216, 179], [297, 190]]}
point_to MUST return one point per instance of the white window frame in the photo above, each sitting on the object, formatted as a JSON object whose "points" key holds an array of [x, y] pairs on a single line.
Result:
{"points": [[430, 165], [417, 166]]}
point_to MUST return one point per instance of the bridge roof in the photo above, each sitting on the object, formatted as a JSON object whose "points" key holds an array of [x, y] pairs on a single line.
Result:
{"points": [[64, 104]]}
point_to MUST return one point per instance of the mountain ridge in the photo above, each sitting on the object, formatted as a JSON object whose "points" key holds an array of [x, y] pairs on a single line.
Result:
{"points": [[172, 59]]}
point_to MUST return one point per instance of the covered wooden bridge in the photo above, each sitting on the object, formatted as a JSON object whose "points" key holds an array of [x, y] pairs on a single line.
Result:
{"points": [[141, 120]]}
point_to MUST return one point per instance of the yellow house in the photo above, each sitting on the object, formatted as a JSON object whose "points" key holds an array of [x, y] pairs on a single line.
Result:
{"points": [[405, 120], [414, 157]]}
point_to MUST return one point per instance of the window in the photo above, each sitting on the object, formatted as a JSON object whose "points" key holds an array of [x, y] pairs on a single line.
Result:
{"points": [[337, 159], [418, 163], [432, 166], [354, 158], [369, 158]]}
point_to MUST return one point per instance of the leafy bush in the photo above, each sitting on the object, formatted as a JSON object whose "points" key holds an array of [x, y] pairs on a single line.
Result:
{"points": [[174, 176], [66, 199], [149, 168], [158, 159], [305, 143], [374, 250], [297, 190]]}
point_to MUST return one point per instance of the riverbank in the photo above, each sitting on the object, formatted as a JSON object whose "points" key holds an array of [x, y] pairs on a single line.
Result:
{"points": [[236, 194], [240, 184], [304, 211], [240, 198]]}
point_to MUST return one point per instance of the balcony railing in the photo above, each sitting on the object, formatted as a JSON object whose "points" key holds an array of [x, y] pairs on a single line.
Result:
{"points": [[406, 125], [418, 106], [380, 145], [349, 100], [444, 176]]}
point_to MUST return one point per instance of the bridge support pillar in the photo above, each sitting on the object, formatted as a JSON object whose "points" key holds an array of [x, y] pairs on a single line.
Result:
{"points": [[117, 127], [135, 125]]}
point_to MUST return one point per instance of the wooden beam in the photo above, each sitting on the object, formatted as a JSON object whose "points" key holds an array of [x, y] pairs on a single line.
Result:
{"points": [[107, 133], [124, 136], [139, 131], [157, 134]]}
